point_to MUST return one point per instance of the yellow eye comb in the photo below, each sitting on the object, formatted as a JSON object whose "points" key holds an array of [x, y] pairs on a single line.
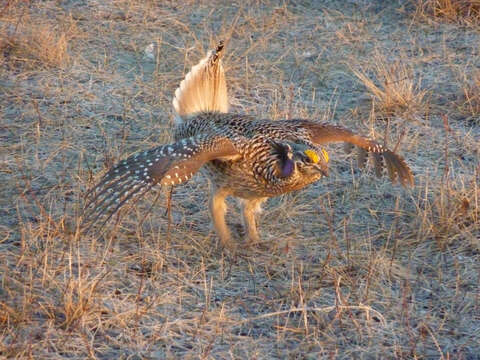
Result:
{"points": [[312, 155], [325, 155]]}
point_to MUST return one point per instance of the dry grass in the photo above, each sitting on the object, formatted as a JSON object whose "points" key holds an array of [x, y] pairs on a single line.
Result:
{"points": [[471, 97], [32, 43], [37, 44], [457, 11], [355, 267], [395, 89]]}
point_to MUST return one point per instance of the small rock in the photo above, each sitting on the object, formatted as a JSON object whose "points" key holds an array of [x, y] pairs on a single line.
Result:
{"points": [[150, 52]]}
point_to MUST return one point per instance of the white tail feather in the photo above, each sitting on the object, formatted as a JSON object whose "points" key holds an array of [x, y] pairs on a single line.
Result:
{"points": [[204, 87]]}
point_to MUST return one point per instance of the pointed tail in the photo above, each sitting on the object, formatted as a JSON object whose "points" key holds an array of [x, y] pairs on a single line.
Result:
{"points": [[204, 88]]}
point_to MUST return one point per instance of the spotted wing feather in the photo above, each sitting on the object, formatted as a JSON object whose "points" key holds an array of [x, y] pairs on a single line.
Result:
{"points": [[133, 177]]}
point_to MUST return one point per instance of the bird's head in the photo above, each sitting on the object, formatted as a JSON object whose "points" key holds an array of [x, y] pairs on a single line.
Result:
{"points": [[306, 161], [311, 162]]}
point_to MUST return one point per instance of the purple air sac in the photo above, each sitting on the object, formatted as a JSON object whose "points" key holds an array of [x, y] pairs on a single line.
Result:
{"points": [[287, 167]]}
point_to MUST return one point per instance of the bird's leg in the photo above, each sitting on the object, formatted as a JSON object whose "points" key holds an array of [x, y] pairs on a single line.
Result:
{"points": [[218, 208], [251, 207]]}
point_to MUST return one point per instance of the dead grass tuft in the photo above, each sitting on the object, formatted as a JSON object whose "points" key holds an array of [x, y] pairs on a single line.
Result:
{"points": [[451, 214], [457, 11], [35, 44], [393, 87]]}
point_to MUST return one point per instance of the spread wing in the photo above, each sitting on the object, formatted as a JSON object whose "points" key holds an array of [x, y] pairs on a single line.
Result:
{"points": [[397, 168], [170, 164]]}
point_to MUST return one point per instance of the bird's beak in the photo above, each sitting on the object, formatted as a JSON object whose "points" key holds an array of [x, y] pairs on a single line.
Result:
{"points": [[322, 169]]}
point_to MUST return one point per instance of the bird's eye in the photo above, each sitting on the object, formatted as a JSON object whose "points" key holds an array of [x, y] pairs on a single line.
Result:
{"points": [[307, 160], [312, 156]]}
